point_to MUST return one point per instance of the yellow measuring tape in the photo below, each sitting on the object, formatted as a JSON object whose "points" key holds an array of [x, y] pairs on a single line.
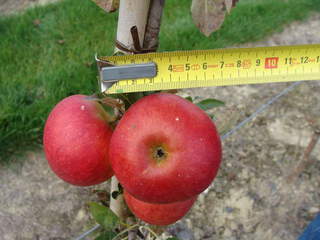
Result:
{"points": [[222, 67]]}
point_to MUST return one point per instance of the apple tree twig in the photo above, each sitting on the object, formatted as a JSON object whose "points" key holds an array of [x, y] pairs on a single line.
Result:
{"points": [[306, 160]]}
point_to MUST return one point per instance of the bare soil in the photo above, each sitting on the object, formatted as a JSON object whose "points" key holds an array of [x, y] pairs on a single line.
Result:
{"points": [[251, 197]]}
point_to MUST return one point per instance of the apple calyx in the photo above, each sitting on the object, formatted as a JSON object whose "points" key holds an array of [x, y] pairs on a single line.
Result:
{"points": [[159, 154]]}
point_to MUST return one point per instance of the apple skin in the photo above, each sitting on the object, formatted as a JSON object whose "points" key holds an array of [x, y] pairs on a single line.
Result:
{"points": [[76, 141], [158, 214], [189, 156]]}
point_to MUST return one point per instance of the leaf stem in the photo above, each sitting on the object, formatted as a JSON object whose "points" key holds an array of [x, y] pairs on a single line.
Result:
{"points": [[151, 231]]}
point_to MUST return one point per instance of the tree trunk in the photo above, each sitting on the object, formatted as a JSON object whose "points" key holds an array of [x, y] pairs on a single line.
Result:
{"points": [[131, 13]]}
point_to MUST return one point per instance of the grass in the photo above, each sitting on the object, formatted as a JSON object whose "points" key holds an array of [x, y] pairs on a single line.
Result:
{"points": [[46, 53]]}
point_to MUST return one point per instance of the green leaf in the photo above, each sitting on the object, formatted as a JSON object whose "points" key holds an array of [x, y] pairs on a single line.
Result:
{"points": [[109, 110], [209, 104], [189, 99], [213, 117], [172, 238], [103, 215], [107, 235]]}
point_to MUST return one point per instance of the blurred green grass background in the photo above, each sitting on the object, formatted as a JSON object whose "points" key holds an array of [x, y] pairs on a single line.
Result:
{"points": [[47, 53]]}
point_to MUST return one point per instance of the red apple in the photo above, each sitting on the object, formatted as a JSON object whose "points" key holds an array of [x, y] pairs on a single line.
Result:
{"points": [[165, 149], [76, 141], [158, 214]]}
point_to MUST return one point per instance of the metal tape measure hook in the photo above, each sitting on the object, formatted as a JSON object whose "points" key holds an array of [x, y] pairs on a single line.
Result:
{"points": [[113, 73]]}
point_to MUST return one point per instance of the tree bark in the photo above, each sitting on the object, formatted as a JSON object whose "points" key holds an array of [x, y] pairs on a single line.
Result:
{"points": [[151, 38], [132, 13]]}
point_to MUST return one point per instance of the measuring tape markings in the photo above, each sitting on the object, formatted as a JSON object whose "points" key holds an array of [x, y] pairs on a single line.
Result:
{"points": [[222, 67]]}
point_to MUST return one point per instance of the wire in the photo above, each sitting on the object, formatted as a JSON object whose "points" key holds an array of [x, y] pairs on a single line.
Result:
{"points": [[83, 235], [261, 109]]}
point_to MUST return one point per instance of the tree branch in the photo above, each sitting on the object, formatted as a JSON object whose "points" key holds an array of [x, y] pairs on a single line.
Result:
{"points": [[151, 37], [306, 160]]}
